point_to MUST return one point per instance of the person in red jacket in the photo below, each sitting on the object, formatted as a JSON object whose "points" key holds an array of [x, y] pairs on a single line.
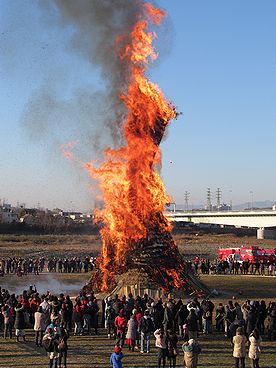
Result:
{"points": [[120, 324], [34, 304]]}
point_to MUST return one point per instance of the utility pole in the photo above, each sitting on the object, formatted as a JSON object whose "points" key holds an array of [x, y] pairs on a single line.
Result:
{"points": [[186, 198], [218, 198], [209, 204], [251, 194], [230, 200]]}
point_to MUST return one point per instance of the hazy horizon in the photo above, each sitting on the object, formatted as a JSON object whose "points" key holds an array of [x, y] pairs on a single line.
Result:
{"points": [[216, 63]]}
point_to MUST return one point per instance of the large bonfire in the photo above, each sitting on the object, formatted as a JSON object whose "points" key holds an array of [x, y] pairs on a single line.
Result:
{"points": [[135, 233]]}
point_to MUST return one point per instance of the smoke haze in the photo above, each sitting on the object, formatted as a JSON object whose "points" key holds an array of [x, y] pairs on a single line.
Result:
{"points": [[92, 115]]}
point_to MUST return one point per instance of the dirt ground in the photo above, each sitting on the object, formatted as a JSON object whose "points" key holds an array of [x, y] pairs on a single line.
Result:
{"points": [[94, 352]]}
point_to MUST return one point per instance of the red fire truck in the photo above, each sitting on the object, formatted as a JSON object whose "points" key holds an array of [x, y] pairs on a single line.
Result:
{"points": [[248, 253]]}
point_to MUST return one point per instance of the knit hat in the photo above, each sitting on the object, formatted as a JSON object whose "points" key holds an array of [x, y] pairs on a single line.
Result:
{"points": [[117, 349]]}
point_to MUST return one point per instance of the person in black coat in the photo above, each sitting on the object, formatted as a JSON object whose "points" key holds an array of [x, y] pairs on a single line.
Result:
{"points": [[251, 321], [180, 318], [192, 321], [262, 315], [63, 347], [19, 323], [171, 341], [146, 328], [272, 325]]}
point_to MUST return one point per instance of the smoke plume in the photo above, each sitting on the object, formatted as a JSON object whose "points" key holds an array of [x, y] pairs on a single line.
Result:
{"points": [[92, 114]]}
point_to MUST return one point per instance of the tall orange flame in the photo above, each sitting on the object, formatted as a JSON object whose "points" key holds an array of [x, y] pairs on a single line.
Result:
{"points": [[133, 192]]}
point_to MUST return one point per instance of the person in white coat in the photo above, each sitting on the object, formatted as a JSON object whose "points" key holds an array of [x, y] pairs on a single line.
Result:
{"points": [[254, 348], [39, 325], [239, 351]]}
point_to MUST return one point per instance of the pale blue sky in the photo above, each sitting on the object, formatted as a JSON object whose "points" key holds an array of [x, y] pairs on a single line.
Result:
{"points": [[217, 63]]}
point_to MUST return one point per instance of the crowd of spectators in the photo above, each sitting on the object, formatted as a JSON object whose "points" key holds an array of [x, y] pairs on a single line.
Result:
{"points": [[25, 266], [134, 322], [231, 266]]}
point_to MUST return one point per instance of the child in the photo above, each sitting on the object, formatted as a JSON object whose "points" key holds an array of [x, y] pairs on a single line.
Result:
{"points": [[185, 331], [116, 358]]}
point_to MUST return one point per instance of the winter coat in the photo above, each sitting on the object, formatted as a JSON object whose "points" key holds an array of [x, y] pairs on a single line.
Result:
{"points": [[239, 314], [19, 323], [132, 327], [46, 308], [34, 304], [181, 315], [77, 317], [109, 315], [272, 321], [50, 342], [130, 305], [239, 346], [254, 347], [8, 318], [120, 323], [168, 318], [230, 314], [172, 345], [40, 321], [160, 340], [192, 321], [64, 335], [251, 322], [207, 308], [117, 306], [146, 325], [191, 354], [116, 360]]}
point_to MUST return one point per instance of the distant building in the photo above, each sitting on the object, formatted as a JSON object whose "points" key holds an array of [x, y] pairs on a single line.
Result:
{"points": [[8, 217]]}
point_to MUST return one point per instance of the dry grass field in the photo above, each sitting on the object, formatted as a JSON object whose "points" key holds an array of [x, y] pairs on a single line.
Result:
{"points": [[204, 245], [49, 245], [94, 351]]}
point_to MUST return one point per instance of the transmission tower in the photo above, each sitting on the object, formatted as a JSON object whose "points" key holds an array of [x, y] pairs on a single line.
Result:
{"points": [[186, 198], [209, 204], [218, 193]]}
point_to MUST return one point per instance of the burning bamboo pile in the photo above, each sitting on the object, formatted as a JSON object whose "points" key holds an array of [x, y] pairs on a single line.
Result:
{"points": [[135, 233]]}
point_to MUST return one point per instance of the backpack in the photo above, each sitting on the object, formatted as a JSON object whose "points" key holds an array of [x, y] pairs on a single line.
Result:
{"points": [[62, 345]]}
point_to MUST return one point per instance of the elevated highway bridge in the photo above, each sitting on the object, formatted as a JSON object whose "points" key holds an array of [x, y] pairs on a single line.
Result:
{"points": [[262, 220]]}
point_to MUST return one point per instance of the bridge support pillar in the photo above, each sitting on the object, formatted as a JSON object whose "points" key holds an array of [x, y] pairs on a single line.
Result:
{"points": [[263, 233]]}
